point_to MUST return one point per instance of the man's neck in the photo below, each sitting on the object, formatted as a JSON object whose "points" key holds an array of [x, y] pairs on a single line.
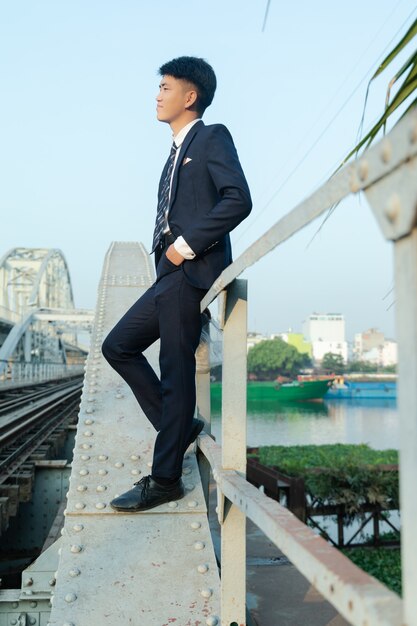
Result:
{"points": [[179, 123]]}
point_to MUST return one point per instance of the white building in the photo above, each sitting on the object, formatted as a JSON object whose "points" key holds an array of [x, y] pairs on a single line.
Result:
{"points": [[254, 338], [326, 333], [372, 346]]}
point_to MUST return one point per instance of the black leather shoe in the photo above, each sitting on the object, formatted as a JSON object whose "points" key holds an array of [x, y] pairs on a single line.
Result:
{"points": [[196, 428], [146, 494]]}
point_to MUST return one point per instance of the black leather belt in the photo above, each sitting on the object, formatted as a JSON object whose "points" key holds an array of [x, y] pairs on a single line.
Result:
{"points": [[167, 239]]}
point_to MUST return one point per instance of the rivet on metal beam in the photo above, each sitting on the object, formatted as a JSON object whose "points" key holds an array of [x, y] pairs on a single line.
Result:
{"points": [[190, 487], [76, 548], [102, 457], [78, 527], [393, 207], [88, 433], [88, 422], [33, 604], [149, 463], [212, 620], [386, 151], [86, 446], [70, 597], [52, 582], [79, 505], [100, 505], [199, 545], [187, 470], [84, 457], [203, 568], [195, 525], [101, 488], [134, 457], [118, 464], [173, 504], [102, 472], [363, 169], [82, 488], [135, 472], [192, 504], [83, 472], [207, 593], [28, 582], [74, 572]]}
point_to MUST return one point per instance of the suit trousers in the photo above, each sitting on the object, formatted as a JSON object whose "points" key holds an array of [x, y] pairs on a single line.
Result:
{"points": [[169, 311]]}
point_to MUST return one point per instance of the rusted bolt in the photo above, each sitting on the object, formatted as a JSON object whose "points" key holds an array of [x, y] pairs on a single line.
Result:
{"points": [[413, 133], [386, 151], [363, 169], [393, 208]]}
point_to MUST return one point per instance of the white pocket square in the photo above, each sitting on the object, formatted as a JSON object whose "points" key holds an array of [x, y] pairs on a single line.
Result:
{"points": [[186, 160]]}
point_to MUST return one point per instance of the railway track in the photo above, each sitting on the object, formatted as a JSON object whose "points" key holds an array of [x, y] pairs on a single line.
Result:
{"points": [[33, 425]]}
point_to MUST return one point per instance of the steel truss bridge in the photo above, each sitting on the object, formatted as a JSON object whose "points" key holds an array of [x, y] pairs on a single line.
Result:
{"points": [[159, 567], [39, 324]]}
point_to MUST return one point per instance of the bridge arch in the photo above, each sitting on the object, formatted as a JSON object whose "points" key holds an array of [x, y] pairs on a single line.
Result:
{"points": [[34, 277]]}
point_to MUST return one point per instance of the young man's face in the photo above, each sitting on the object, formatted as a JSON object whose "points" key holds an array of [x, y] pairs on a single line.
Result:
{"points": [[174, 99]]}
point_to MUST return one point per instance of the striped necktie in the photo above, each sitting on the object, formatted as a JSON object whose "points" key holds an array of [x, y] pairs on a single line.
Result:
{"points": [[163, 202]]}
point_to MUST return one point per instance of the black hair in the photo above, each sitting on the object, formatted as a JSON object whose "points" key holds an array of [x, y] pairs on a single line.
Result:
{"points": [[196, 71]]}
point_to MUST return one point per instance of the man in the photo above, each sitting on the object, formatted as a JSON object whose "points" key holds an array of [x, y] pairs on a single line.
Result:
{"points": [[202, 196]]}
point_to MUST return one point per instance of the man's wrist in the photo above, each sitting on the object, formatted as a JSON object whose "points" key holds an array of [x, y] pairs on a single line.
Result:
{"points": [[182, 247]]}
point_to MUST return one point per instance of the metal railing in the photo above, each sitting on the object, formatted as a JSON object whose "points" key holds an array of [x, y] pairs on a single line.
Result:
{"points": [[16, 373], [387, 173]]}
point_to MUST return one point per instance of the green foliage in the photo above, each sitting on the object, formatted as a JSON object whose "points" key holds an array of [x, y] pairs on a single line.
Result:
{"points": [[406, 91], [370, 368], [333, 363], [362, 366], [274, 357], [382, 563], [339, 474]]}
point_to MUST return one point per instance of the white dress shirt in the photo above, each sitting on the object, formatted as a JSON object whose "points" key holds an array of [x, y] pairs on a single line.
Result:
{"points": [[180, 245]]}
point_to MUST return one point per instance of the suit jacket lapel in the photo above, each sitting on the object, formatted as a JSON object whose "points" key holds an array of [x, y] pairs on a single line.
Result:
{"points": [[184, 146]]}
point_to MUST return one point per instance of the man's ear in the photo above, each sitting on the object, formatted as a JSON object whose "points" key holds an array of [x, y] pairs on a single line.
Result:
{"points": [[191, 98]]}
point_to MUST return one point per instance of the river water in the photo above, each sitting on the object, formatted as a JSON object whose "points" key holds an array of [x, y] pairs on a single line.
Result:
{"points": [[374, 422]]}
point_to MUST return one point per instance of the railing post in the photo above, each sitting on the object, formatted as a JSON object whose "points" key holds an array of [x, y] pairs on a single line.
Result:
{"points": [[203, 403], [406, 314], [233, 528]]}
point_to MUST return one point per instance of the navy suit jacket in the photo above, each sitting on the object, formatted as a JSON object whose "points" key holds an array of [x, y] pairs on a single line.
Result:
{"points": [[209, 197]]}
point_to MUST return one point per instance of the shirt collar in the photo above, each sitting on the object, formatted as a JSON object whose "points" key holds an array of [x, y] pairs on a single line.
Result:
{"points": [[180, 136]]}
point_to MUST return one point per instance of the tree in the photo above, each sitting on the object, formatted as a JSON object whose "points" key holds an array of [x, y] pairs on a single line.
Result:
{"points": [[274, 357], [333, 363]]}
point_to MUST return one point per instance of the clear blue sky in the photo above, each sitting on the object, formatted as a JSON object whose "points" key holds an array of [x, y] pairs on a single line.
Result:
{"points": [[81, 150]]}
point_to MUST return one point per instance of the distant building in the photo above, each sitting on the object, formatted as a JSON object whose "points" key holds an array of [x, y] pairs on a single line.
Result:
{"points": [[372, 346], [326, 333], [297, 340], [255, 338]]}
